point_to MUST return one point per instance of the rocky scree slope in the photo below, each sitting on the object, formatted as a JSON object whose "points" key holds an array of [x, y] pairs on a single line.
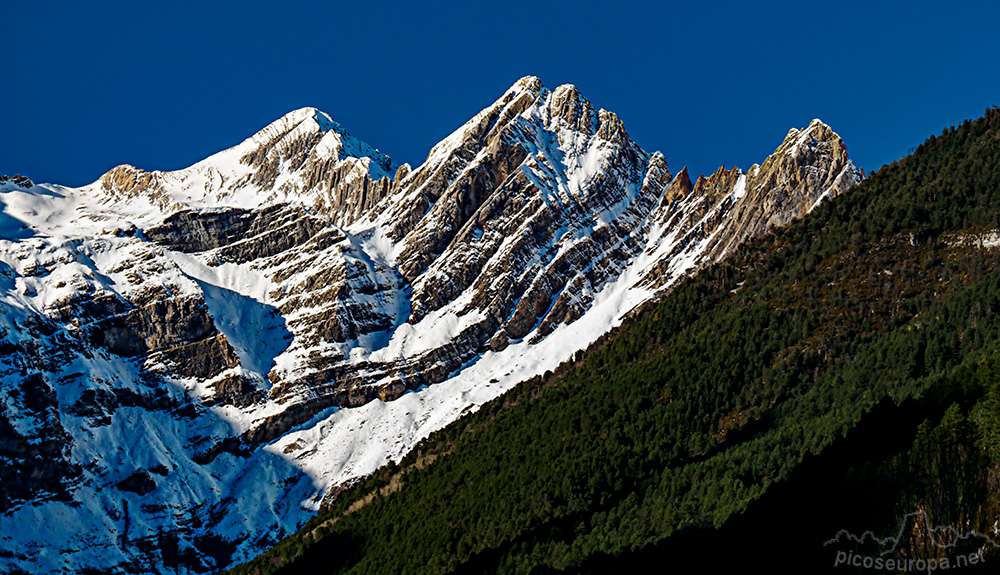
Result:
{"points": [[192, 359]]}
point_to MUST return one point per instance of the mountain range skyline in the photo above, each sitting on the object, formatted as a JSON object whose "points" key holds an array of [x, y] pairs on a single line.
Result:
{"points": [[161, 88], [293, 312], [513, 288]]}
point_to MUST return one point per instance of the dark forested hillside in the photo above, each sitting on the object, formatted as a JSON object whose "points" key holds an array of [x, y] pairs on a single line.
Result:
{"points": [[841, 374]]}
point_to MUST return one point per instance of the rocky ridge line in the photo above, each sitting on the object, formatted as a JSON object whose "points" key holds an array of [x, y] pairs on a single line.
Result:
{"points": [[216, 316]]}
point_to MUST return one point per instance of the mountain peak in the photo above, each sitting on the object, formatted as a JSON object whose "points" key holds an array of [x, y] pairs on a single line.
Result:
{"points": [[810, 166], [816, 133], [304, 156], [527, 84], [568, 103], [314, 118], [301, 114], [331, 140], [611, 127]]}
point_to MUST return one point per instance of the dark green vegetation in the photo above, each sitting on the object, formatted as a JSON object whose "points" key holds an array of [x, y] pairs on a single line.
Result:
{"points": [[840, 374]]}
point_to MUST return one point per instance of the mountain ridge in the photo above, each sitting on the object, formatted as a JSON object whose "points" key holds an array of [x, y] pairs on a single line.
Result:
{"points": [[851, 354], [284, 317]]}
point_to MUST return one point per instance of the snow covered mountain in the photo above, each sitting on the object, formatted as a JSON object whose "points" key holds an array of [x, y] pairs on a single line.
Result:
{"points": [[191, 360]]}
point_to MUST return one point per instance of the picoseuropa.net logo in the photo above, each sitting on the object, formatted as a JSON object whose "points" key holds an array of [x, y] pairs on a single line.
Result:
{"points": [[955, 549], [849, 559]]}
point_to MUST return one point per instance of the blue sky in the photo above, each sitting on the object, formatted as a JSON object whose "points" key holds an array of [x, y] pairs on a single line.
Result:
{"points": [[87, 86]]}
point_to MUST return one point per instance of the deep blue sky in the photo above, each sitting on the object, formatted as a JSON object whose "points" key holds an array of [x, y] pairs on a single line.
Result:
{"points": [[89, 85]]}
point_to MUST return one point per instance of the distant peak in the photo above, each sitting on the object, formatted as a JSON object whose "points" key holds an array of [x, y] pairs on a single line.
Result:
{"points": [[569, 104], [528, 83], [817, 132], [310, 117], [822, 131], [567, 90], [324, 121], [817, 128], [722, 170], [298, 115], [315, 129], [611, 127], [304, 112]]}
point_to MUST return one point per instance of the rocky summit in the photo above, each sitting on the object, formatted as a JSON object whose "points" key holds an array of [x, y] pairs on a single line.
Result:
{"points": [[190, 361]]}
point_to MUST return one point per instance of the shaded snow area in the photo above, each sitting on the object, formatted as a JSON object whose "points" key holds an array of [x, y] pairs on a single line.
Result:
{"points": [[197, 505], [255, 330], [237, 300], [239, 503]]}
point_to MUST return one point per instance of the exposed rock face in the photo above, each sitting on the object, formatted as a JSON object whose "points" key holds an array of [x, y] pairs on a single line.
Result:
{"points": [[18, 180], [34, 446], [526, 183], [140, 482], [126, 182], [809, 166], [192, 231], [715, 214], [158, 325], [183, 336]]}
